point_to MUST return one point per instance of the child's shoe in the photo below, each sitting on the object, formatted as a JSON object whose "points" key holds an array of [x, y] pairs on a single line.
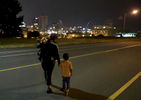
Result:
{"points": [[67, 92]]}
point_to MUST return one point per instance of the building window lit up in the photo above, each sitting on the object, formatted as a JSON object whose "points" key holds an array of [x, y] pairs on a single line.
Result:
{"points": [[106, 30]]}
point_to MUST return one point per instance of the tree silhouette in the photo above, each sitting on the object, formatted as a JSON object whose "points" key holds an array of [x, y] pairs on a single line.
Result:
{"points": [[9, 22]]}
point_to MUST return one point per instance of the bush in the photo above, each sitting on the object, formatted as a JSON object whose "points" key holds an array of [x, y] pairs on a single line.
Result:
{"points": [[33, 34], [101, 35]]}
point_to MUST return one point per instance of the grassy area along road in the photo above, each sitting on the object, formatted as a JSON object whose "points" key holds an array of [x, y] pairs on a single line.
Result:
{"points": [[27, 42]]}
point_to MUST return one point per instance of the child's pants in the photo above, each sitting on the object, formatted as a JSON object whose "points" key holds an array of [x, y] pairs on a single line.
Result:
{"points": [[66, 80]]}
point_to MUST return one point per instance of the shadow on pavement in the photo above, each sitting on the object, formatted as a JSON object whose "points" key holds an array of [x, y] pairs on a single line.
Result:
{"points": [[80, 95]]}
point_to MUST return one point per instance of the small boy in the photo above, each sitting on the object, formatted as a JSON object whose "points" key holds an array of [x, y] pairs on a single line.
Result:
{"points": [[41, 41], [66, 71]]}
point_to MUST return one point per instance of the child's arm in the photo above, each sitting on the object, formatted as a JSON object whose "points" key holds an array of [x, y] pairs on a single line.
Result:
{"points": [[60, 65], [70, 68]]}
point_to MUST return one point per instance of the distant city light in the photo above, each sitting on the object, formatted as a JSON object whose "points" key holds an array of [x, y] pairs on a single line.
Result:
{"points": [[35, 23], [23, 24]]}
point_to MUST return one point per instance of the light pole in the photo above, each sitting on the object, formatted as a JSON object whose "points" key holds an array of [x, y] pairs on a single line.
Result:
{"points": [[134, 12]]}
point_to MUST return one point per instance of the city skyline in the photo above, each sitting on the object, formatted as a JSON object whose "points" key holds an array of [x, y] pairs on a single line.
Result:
{"points": [[80, 12]]}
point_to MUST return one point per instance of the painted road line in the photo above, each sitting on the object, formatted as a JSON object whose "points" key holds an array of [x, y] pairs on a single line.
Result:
{"points": [[12, 55], [19, 67], [118, 92], [16, 51], [104, 51], [3, 70], [73, 57], [87, 54], [17, 55]]}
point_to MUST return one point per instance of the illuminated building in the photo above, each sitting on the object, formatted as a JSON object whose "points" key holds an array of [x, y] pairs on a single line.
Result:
{"points": [[24, 29], [55, 26], [35, 24], [106, 30], [43, 23]]}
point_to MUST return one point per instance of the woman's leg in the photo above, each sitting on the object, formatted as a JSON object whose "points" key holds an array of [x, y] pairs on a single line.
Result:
{"points": [[48, 69]]}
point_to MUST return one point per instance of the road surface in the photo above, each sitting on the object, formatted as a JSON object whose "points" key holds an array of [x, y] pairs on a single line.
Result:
{"points": [[101, 71]]}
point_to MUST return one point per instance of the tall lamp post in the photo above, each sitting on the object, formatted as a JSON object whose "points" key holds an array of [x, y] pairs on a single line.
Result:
{"points": [[134, 12]]}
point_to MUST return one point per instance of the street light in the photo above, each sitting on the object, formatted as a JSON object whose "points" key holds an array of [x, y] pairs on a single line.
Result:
{"points": [[134, 12]]}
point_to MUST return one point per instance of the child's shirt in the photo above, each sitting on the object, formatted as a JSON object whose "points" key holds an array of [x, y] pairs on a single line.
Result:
{"points": [[66, 67]]}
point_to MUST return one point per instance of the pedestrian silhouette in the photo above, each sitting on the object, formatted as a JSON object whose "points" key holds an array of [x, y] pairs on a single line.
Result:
{"points": [[48, 54]]}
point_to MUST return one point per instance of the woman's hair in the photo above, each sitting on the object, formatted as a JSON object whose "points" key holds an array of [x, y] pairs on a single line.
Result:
{"points": [[66, 56]]}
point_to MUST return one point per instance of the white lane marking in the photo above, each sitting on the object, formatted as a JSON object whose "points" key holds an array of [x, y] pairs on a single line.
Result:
{"points": [[87, 45], [30, 50], [73, 49], [35, 52], [17, 55], [74, 57], [16, 51], [78, 48]]}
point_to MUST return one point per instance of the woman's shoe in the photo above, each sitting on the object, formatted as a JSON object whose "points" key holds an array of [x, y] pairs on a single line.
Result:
{"points": [[62, 89], [48, 90]]}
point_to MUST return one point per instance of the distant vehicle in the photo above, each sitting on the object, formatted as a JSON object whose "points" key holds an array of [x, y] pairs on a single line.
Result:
{"points": [[129, 35], [125, 35], [118, 35]]}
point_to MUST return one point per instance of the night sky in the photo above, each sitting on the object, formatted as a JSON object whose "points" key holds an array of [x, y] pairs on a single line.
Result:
{"points": [[80, 12]]}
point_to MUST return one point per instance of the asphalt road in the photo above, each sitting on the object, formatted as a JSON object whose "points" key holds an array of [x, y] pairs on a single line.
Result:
{"points": [[101, 71]]}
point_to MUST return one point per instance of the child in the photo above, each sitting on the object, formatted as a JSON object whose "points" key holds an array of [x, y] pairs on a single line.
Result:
{"points": [[66, 70], [41, 41]]}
